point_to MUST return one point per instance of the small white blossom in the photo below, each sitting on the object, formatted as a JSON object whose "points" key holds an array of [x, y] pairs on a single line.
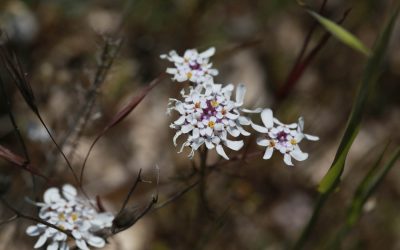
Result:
{"points": [[284, 138], [193, 66], [208, 116], [69, 212]]}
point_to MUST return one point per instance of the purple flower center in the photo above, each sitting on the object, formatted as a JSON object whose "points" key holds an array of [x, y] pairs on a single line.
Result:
{"points": [[194, 66], [281, 136], [210, 110]]}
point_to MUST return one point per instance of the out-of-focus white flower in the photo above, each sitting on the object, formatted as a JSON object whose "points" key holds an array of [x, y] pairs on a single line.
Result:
{"points": [[36, 132], [208, 116], [193, 66], [284, 138], [69, 212]]}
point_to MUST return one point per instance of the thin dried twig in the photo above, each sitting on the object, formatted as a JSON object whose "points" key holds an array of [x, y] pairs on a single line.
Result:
{"points": [[300, 66], [177, 195], [7, 104], [15, 71], [109, 53], [127, 217], [35, 219], [128, 196], [19, 161], [13, 218], [120, 116]]}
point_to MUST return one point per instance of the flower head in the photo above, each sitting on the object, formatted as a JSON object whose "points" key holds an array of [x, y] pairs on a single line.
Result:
{"points": [[208, 116], [284, 138], [69, 212], [192, 66]]}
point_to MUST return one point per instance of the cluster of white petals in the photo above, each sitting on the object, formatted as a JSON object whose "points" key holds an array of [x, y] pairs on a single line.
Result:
{"points": [[192, 66], [67, 211], [208, 116], [284, 138]]}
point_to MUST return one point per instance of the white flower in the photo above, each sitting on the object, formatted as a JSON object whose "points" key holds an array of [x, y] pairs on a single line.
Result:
{"points": [[284, 138], [193, 66], [71, 213], [208, 116]]}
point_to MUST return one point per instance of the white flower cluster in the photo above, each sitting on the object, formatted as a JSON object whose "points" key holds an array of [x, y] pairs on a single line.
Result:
{"points": [[284, 138], [71, 213], [207, 115], [193, 66]]}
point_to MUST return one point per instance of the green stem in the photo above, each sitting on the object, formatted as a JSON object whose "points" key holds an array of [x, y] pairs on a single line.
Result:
{"points": [[311, 223]]}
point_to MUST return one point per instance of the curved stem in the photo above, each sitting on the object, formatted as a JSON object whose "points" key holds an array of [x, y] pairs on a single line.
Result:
{"points": [[311, 223]]}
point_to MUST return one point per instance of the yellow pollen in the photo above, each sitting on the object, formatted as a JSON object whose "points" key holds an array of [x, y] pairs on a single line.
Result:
{"points": [[214, 103], [271, 144], [74, 216], [211, 124], [293, 141], [197, 105], [62, 227], [61, 216], [189, 75]]}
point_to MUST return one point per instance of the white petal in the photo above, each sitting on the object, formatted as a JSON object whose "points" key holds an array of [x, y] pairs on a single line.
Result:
{"points": [[298, 137], [96, 241], [219, 126], [197, 143], [257, 110], [187, 128], [298, 155], [33, 231], [232, 116], [180, 120], [64, 246], [176, 58], [268, 153], [291, 125], [234, 145], [311, 137], [208, 53], [209, 131], [287, 159], [240, 93], [53, 246], [216, 140], [82, 245], [77, 235], [176, 137], [243, 120], [40, 242], [301, 124], [242, 131], [196, 133], [51, 195], [60, 236], [278, 122], [259, 128], [69, 192], [227, 90], [172, 71], [233, 131], [262, 142], [267, 118], [213, 72], [221, 152]]}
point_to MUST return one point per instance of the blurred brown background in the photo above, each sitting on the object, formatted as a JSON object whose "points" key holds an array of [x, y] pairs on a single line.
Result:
{"points": [[259, 204]]}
